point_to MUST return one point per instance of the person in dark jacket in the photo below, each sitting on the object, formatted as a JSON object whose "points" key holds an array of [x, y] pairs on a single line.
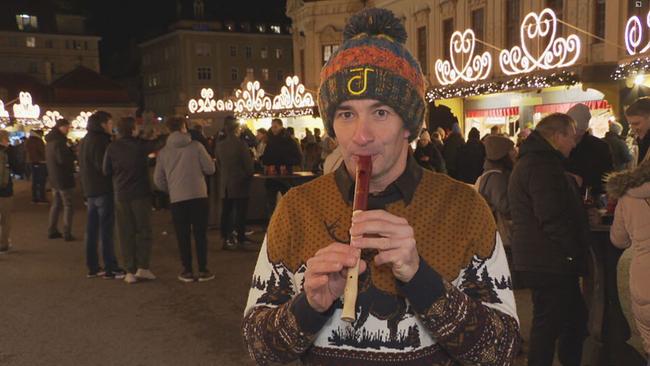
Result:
{"points": [[60, 160], [549, 237], [621, 155], [451, 150], [36, 160], [638, 117], [98, 190], [471, 158], [6, 193], [281, 151], [591, 159], [126, 162], [427, 155], [235, 166]]}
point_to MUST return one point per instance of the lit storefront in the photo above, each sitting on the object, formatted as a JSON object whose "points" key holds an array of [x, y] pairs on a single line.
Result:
{"points": [[535, 78]]}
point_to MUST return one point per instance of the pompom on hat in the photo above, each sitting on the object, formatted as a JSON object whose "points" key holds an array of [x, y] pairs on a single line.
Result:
{"points": [[372, 63]]}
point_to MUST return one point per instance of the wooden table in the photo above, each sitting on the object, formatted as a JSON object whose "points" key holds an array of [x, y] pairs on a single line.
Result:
{"points": [[608, 329]]}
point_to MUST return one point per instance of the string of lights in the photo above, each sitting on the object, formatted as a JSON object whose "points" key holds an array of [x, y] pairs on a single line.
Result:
{"points": [[517, 83], [631, 69]]}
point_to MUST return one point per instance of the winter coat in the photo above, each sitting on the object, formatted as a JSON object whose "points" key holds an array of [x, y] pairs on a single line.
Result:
{"points": [[6, 184], [181, 167], [60, 160], [493, 186], [434, 162], [619, 150], [126, 161], [35, 149], [451, 151], [471, 158], [592, 161], [631, 228], [281, 149], [550, 231], [235, 166], [92, 148]]}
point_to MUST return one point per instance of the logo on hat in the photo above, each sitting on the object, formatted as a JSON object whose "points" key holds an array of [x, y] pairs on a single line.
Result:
{"points": [[362, 74]]}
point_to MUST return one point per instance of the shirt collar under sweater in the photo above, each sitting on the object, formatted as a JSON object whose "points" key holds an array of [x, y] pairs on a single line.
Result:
{"points": [[403, 188]]}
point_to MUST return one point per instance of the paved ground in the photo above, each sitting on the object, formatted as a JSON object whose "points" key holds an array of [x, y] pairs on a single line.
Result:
{"points": [[50, 314]]}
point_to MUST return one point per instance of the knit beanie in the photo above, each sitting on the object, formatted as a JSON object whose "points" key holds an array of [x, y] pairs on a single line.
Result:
{"points": [[615, 127], [496, 147], [581, 114], [372, 63]]}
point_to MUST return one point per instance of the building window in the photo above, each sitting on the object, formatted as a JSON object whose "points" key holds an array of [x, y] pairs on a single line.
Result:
{"points": [[513, 13], [558, 7], [447, 30], [250, 73], [275, 29], [49, 43], [234, 74], [204, 73], [328, 50], [146, 60], [279, 75], [202, 49], [264, 52], [30, 42], [261, 28], [86, 45], [248, 51], [233, 51], [599, 20], [265, 74], [478, 24], [422, 48], [33, 68], [27, 22], [301, 56], [278, 53], [166, 53]]}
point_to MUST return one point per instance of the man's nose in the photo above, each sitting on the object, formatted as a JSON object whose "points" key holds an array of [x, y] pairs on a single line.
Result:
{"points": [[363, 133]]}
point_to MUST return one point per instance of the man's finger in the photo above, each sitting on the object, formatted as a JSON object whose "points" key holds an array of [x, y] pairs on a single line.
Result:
{"points": [[383, 215], [373, 243], [380, 227], [338, 248]]}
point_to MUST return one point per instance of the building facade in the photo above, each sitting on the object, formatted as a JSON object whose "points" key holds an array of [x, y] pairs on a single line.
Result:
{"points": [[198, 54], [46, 45], [599, 26]]}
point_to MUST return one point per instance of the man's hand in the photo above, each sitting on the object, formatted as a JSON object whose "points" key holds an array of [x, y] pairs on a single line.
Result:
{"points": [[396, 243], [326, 274]]}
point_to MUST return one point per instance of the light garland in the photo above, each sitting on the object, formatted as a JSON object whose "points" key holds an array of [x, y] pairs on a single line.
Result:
{"points": [[50, 118], [634, 35], [253, 102], [521, 82], [81, 121], [3, 112], [632, 69], [25, 109], [559, 51], [474, 67]]}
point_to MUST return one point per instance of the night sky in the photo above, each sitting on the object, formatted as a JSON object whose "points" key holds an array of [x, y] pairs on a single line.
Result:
{"points": [[123, 24]]}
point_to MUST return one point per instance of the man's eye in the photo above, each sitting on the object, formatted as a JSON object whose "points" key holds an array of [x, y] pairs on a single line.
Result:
{"points": [[344, 115], [382, 113]]}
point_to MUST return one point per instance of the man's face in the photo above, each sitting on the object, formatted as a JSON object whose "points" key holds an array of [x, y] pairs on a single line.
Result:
{"points": [[108, 126], [65, 129], [369, 127], [566, 142], [639, 124], [276, 127]]}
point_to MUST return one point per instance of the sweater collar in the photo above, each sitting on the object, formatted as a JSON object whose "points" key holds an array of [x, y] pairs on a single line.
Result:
{"points": [[403, 188]]}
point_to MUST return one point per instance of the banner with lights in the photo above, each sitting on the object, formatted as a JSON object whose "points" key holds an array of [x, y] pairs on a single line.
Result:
{"points": [[472, 67], [637, 42], [26, 113], [253, 102]]}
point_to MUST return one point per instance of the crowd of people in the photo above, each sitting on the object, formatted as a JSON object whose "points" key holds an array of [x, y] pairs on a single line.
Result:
{"points": [[449, 219]]}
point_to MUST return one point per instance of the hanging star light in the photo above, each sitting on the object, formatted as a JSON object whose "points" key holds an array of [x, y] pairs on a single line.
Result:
{"points": [[472, 67], [540, 29]]}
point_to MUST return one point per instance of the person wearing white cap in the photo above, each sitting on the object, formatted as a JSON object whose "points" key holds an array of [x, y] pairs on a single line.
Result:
{"points": [[591, 159]]}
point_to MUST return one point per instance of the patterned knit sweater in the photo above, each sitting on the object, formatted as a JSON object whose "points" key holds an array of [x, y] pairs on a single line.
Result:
{"points": [[459, 307]]}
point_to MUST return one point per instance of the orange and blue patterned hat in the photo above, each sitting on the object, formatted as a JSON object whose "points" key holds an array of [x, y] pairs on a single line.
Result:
{"points": [[372, 63]]}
